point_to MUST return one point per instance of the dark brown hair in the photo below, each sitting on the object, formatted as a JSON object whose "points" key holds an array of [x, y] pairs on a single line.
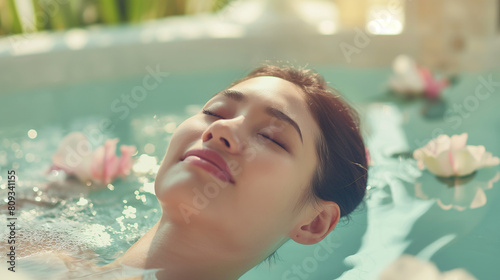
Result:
{"points": [[342, 168]]}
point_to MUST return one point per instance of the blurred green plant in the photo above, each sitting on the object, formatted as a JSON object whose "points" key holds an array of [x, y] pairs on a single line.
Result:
{"points": [[23, 16]]}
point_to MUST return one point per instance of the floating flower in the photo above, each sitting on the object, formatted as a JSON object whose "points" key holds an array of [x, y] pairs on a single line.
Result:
{"points": [[450, 156], [406, 80], [76, 157], [409, 80]]}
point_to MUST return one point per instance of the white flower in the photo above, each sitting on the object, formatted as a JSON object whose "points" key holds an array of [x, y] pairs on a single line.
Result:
{"points": [[447, 157], [406, 80]]}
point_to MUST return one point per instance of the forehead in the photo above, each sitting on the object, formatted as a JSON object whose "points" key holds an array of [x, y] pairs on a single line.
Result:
{"points": [[274, 92], [273, 89], [283, 95]]}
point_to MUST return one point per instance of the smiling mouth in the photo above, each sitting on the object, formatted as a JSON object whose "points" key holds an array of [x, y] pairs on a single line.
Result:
{"points": [[211, 162]]}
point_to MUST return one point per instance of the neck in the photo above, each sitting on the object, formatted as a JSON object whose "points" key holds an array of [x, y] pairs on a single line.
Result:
{"points": [[182, 252]]}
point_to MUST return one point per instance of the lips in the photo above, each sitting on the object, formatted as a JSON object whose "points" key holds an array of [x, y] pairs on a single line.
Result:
{"points": [[211, 161]]}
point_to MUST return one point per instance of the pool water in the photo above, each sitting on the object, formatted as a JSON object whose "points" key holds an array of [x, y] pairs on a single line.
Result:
{"points": [[407, 211]]}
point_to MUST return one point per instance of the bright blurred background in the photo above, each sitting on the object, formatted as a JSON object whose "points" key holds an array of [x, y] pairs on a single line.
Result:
{"points": [[35, 15], [444, 35]]}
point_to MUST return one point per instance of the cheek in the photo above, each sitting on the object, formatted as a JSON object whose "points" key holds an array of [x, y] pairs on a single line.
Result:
{"points": [[268, 184], [185, 135], [275, 183]]}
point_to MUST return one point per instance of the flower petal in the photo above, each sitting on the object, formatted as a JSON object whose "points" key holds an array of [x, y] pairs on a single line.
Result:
{"points": [[438, 145], [126, 160], [111, 162], [439, 165], [105, 162], [97, 164], [464, 162], [406, 80], [84, 172], [66, 157], [443, 143], [458, 141], [477, 153], [73, 156], [488, 160]]}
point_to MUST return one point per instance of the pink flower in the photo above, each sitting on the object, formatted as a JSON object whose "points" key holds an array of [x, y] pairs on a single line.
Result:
{"points": [[432, 86], [368, 157], [450, 156], [75, 157]]}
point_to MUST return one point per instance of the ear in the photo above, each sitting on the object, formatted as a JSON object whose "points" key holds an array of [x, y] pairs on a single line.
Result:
{"points": [[313, 230]]}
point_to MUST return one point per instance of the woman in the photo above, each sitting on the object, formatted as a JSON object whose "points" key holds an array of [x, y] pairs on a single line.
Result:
{"points": [[276, 156]]}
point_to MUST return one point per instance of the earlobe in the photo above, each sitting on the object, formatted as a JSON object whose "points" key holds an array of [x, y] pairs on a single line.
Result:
{"points": [[313, 231]]}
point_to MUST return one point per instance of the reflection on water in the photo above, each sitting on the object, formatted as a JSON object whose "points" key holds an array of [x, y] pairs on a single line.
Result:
{"points": [[460, 193], [405, 213], [411, 268]]}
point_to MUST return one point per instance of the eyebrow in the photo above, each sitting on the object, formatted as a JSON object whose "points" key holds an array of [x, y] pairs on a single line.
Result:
{"points": [[240, 97]]}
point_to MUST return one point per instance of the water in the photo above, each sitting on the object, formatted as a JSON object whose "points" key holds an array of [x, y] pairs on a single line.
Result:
{"points": [[93, 224], [407, 211]]}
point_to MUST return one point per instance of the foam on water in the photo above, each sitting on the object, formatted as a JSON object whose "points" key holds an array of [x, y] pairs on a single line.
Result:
{"points": [[66, 229], [75, 233], [54, 266]]}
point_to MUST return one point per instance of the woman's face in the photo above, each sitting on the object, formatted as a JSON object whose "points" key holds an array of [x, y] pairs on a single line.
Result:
{"points": [[239, 166]]}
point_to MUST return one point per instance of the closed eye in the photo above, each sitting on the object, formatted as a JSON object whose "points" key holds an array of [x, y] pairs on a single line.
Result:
{"points": [[272, 140], [210, 113]]}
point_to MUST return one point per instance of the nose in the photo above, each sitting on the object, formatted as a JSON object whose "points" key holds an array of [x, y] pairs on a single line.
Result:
{"points": [[225, 134]]}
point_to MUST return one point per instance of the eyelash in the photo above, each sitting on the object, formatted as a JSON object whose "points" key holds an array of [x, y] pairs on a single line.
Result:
{"points": [[210, 113]]}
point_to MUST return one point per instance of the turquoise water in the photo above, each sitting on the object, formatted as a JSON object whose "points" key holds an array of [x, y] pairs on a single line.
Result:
{"points": [[407, 211]]}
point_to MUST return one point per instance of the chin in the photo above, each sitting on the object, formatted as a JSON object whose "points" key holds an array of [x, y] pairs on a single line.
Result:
{"points": [[170, 180]]}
